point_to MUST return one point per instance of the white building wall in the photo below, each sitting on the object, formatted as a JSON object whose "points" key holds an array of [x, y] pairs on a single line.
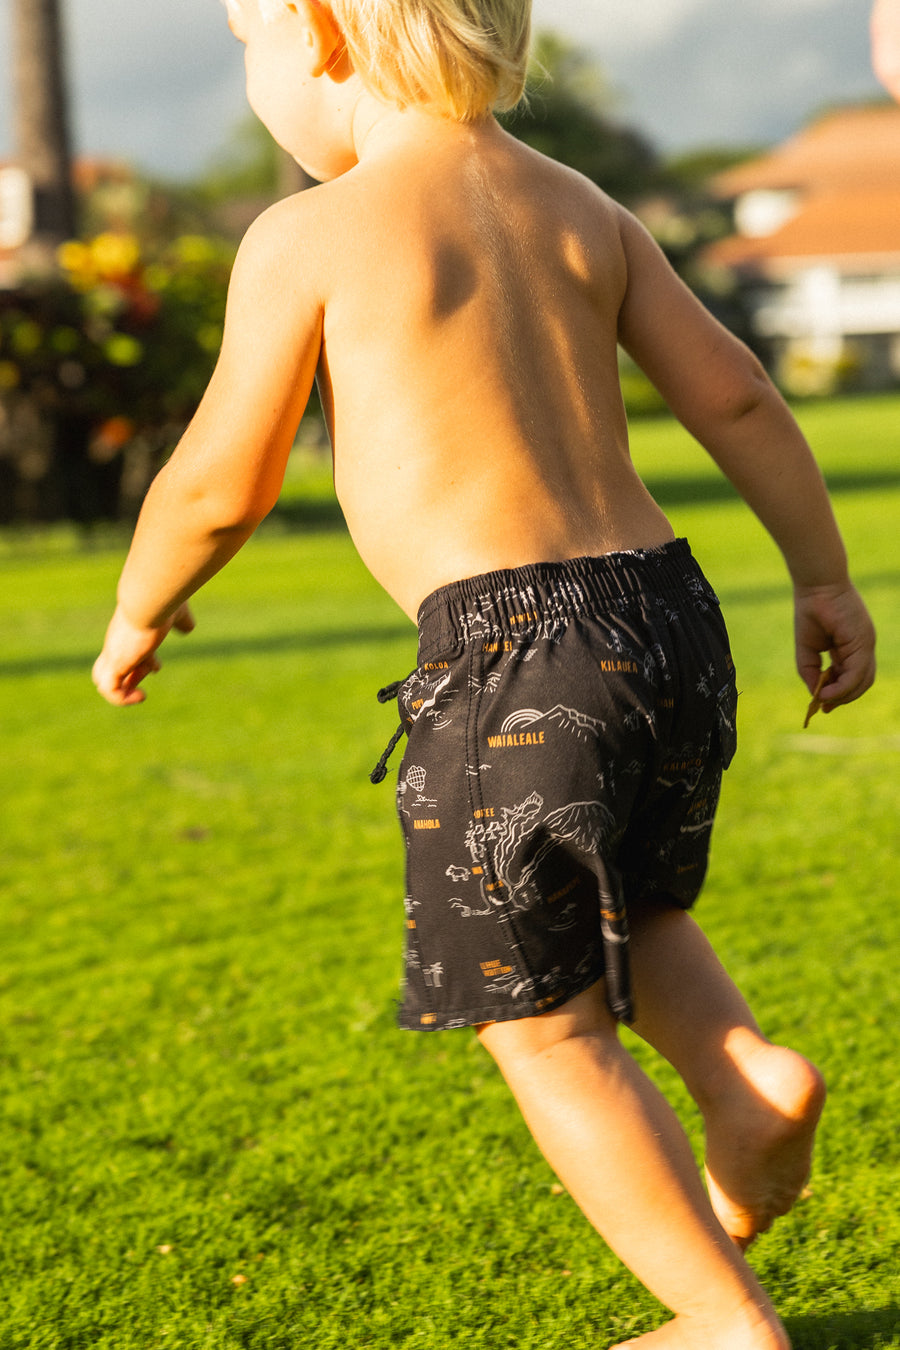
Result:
{"points": [[819, 304]]}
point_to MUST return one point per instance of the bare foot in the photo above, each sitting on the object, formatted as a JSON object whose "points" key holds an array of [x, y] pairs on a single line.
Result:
{"points": [[759, 1137], [750, 1329]]}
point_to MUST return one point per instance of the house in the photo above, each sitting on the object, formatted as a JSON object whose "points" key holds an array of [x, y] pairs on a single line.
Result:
{"points": [[16, 219], [816, 253]]}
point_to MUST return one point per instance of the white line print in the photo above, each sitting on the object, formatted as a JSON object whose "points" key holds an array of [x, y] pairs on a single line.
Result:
{"points": [[569, 719], [512, 825], [658, 656], [426, 691], [585, 825], [687, 766], [433, 975], [414, 782], [511, 984], [469, 911], [517, 987], [523, 718], [534, 620], [489, 685], [698, 828]]}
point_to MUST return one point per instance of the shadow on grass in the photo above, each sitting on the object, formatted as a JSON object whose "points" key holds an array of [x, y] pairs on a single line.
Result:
{"points": [[867, 1329], [320, 515], [302, 641], [703, 489], [310, 516], [781, 590], [316, 640], [225, 647]]}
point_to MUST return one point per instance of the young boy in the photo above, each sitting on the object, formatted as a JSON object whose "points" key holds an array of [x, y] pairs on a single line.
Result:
{"points": [[459, 298]]}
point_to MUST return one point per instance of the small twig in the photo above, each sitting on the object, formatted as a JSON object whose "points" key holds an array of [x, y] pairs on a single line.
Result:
{"points": [[815, 703]]}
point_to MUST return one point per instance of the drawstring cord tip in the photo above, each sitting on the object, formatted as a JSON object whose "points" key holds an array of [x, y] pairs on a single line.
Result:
{"points": [[387, 695], [379, 773]]}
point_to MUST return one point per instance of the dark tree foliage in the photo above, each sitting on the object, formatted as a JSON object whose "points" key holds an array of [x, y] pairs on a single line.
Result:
{"points": [[567, 115]]}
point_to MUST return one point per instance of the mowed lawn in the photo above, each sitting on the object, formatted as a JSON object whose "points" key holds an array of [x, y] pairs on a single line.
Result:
{"points": [[213, 1136]]}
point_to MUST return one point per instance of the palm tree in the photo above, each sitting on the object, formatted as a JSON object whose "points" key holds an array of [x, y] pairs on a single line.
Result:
{"points": [[42, 122]]}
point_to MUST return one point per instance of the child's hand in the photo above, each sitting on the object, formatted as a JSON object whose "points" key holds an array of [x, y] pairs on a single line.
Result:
{"points": [[833, 619], [129, 653]]}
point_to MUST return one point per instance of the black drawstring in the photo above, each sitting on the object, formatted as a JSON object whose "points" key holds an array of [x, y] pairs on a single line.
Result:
{"points": [[387, 695]]}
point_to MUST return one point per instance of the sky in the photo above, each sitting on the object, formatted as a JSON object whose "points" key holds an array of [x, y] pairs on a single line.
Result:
{"points": [[160, 82]]}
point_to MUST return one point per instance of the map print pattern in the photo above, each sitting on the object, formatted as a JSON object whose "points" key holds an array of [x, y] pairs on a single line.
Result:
{"points": [[567, 725]]}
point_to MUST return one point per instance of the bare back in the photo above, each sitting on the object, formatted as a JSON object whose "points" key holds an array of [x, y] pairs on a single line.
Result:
{"points": [[468, 365], [460, 298]]}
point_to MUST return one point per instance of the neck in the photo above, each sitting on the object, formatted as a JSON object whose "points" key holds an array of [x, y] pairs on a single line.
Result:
{"points": [[380, 128]]}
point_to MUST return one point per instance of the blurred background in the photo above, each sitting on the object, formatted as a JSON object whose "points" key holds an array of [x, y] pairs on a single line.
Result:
{"points": [[754, 142]]}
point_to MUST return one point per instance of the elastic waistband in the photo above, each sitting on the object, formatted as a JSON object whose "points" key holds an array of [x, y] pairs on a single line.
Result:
{"points": [[524, 601]]}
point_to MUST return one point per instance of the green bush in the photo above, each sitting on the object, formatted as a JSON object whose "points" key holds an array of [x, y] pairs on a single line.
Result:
{"points": [[101, 366]]}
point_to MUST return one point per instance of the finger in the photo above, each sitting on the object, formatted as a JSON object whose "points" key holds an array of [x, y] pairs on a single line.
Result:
{"points": [[119, 696], [129, 698], [851, 683], [105, 687], [812, 661], [810, 671], [119, 691], [134, 677], [183, 620]]}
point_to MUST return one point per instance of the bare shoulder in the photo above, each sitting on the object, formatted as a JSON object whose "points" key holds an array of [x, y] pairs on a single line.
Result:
{"points": [[567, 187], [287, 238], [278, 293]]}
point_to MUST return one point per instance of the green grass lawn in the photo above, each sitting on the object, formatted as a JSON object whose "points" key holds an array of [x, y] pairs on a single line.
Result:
{"points": [[212, 1135]]}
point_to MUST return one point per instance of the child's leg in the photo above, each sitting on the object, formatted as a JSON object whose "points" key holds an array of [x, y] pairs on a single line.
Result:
{"points": [[617, 1146], [760, 1102]]}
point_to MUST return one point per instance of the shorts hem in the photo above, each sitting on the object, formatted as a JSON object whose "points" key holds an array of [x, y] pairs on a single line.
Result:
{"points": [[501, 1012]]}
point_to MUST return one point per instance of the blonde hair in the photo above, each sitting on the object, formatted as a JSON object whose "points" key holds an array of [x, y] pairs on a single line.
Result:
{"points": [[461, 58]]}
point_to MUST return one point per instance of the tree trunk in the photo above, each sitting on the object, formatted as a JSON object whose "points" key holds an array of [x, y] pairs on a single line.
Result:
{"points": [[42, 123]]}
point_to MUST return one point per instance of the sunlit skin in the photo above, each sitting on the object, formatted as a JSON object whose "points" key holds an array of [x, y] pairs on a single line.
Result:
{"points": [[885, 26], [474, 411], [460, 299]]}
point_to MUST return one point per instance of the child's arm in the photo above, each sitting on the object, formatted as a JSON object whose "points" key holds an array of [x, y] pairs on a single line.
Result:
{"points": [[721, 394], [226, 473]]}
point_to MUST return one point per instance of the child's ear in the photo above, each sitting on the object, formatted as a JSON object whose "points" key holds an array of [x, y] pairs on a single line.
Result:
{"points": [[324, 39]]}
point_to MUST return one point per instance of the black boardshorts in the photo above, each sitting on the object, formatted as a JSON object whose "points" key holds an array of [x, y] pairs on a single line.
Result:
{"points": [[568, 724]]}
